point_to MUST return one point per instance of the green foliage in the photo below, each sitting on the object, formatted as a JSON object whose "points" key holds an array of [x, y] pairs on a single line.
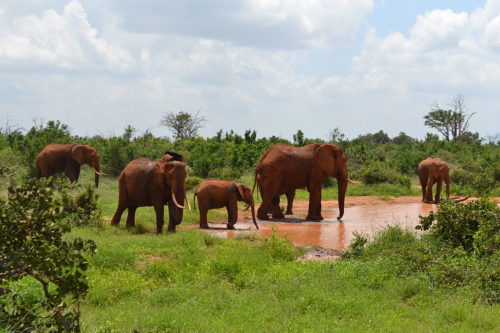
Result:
{"points": [[280, 248], [33, 250], [192, 183], [474, 226], [81, 210], [377, 173]]}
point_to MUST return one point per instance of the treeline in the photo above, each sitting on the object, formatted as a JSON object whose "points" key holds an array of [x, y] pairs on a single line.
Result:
{"points": [[373, 158]]}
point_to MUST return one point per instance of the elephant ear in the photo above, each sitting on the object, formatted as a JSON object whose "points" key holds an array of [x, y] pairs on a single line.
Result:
{"points": [[241, 190], [326, 157], [78, 154]]}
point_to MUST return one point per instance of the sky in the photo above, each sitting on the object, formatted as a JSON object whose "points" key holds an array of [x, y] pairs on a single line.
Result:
{"points": [[275, 66]]}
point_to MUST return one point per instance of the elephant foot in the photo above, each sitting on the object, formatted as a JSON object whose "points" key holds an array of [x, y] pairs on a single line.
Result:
{"points": [[130, 225], [262, 217], [428, 201], [314, 217], [231, 226], [170, 230], [278, 215], [204, 226], [289, 212], [113, 223]]}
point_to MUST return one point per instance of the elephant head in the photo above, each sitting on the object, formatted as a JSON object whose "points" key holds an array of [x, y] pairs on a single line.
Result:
{"points": [[331, 161], [171, 156], [172, 176], [84, 154], [245, 195]]}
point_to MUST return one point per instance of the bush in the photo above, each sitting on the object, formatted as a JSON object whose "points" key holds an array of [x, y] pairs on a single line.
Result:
{"points": [[33, 250], [192, 183], [474, 226], [377, 173]]}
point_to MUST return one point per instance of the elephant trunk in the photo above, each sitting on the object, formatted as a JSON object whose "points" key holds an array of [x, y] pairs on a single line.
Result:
{"points": [[97, 171], [342, 188], [252, 205]]}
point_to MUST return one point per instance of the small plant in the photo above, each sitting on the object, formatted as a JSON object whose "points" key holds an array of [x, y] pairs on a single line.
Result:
{"points": [[280, 248], [81, 210]]}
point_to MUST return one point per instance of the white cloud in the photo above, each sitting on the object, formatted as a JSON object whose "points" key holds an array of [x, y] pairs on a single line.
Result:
{"points": [[64, 40]]}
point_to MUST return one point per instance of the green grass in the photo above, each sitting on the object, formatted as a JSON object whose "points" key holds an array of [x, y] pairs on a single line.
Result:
{"points": [[192, 281]]}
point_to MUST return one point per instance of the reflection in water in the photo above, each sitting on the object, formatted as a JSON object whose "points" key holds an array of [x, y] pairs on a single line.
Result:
{"points": [[330, 233]]}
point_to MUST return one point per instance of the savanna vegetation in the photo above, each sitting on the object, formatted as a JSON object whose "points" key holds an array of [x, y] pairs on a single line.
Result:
{"points": [[62, 267]]}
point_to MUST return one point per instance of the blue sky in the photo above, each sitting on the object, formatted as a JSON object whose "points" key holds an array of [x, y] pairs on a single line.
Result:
{"points": [[275, 66]]}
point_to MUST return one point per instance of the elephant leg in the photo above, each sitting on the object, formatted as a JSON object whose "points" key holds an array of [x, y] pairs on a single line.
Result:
{"points": [[118, 214], [277, 213], [203, 215], [428, 193], [232, 214], [264, 208], [77, 173], [172, 218], [131, 216], [289, 198], [438, 191], [423, 184], [159, 210], [314, 212]]}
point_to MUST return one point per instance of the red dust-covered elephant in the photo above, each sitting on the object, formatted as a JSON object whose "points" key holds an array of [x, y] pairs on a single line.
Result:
{"points": [[67, 158], [430, 172], [152, 183], [214, 193], [284, 168]]}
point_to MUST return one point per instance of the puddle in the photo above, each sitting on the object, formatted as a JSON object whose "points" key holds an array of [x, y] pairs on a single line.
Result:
{"points": [[366, 218]]}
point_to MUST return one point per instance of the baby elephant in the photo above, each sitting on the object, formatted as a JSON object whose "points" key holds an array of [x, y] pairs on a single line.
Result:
{"points": [[213, 193]]}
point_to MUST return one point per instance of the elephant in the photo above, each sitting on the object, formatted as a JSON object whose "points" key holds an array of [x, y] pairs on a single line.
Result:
{"points": [[430, 172], [214, 193], [283, 168], [67, 158], [148, 183]]}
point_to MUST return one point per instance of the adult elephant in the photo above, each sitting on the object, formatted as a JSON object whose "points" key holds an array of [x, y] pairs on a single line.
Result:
{"points": [[147, 183], [284, 168], [430, 172], [214, 193], [67, 158]]}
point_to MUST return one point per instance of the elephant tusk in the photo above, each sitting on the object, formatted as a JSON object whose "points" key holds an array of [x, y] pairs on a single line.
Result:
{"points": [[189, 205], [353, 182], [175, 201], [99, 173]]}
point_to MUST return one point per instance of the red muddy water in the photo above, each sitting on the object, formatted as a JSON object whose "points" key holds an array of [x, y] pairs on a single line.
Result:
{"points": [[362, 215]]}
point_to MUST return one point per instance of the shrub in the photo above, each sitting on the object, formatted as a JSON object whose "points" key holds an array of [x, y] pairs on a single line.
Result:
{"points": [[474, 226], [33, 250], [377, 173], [280, 248], [192, 183], [81, 210]]}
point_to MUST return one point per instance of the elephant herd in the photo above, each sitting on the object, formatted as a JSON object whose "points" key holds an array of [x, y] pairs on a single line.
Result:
{"points": [[281, 170]]}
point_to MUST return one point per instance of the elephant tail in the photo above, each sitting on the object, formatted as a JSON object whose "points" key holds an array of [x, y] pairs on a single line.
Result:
{"points": [[255, 183]]}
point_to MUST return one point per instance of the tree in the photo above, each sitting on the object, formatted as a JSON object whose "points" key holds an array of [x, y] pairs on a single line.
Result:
{"points": [[298, 139], [336, 136], [183, 125], [451, 123]]}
